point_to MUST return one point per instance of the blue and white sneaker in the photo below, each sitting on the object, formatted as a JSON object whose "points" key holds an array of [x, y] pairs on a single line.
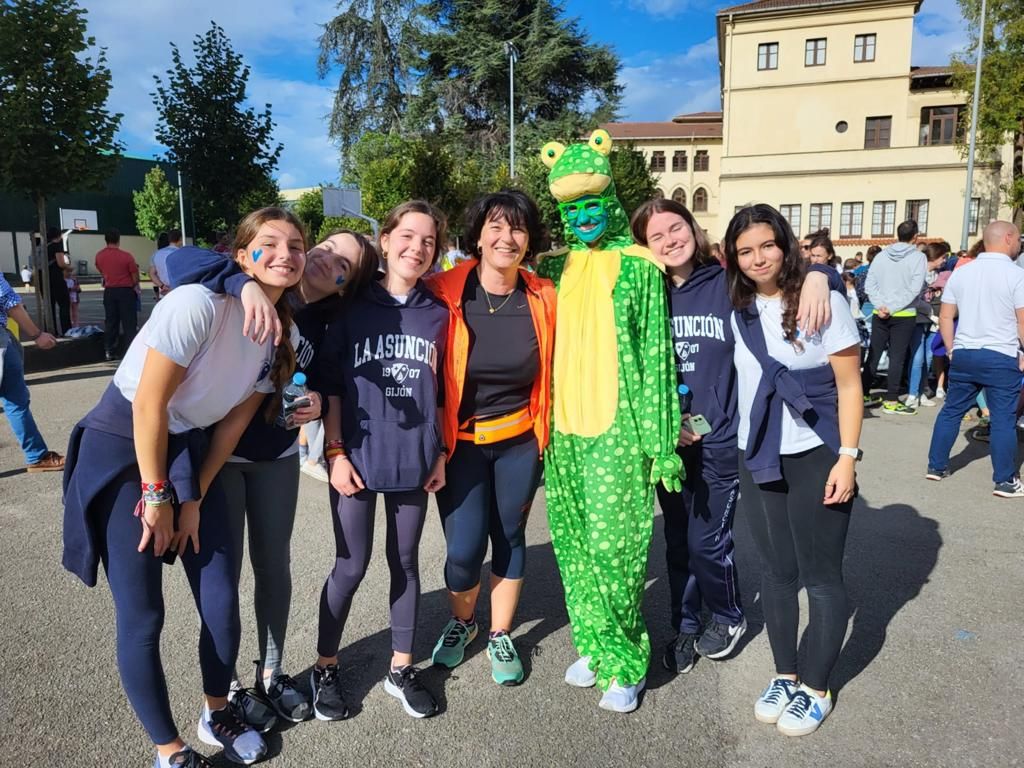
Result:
{"points": [[805, 712], [622, 698], [225, 728], [186, 758], [774, 699]]}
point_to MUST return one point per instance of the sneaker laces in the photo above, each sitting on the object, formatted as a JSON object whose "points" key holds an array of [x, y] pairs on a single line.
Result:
{"points": [[502, 649], [455, 633], [718, 631], [799, 705], [280, 684], [329, 676], [189, 758], [226, 722], [685, 642], [775, 692], [410, 679]]}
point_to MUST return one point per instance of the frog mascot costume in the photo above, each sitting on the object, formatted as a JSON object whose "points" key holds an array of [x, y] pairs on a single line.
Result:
{"points": [[616, 420]]}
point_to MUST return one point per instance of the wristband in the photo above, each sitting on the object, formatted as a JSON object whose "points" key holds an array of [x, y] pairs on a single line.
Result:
{"points": [[854, 453], [157, 493]]}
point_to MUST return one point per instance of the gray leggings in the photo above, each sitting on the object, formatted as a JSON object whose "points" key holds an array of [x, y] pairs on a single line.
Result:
{"points": [[265, 493]]}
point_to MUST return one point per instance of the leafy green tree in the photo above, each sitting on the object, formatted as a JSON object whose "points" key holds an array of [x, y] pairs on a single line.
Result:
{"points": [[225, 148], [369, 42], [1001, 106], [56, 134], [464, 84], [156, 204]]}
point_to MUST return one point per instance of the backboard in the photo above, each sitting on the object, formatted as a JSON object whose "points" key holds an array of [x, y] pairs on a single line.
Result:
{"points": [[71, 218], [342, 202]]}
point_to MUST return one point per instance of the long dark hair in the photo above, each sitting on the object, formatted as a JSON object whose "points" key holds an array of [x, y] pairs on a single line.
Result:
{"points": [[515, 207], [642, 216], [742, 289], [820, 239], [362, 273], [284, 357]]}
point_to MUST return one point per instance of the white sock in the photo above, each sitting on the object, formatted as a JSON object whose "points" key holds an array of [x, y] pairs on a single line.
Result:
{"points": [[164, 761]]}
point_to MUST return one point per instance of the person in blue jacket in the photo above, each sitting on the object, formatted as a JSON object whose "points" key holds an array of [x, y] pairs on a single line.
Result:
{"points": [[698, 521], [261, 478], [380, 372]]}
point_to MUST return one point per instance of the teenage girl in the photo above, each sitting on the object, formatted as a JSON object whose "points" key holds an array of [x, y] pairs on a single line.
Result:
{"points": [[698, 521], [497, 413], [261, 478], [184, 372], [801, 407], [380, 373]]}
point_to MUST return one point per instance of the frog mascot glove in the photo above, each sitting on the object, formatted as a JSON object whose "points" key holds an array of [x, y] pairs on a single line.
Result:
{"points": [[614, 408]]}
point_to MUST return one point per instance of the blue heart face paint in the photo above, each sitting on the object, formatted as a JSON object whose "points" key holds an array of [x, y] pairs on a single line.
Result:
{"points": [[340, 281], [256, 255]]}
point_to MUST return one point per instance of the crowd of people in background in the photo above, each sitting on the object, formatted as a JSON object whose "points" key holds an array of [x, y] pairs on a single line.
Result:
{"points": [[430, 368]]}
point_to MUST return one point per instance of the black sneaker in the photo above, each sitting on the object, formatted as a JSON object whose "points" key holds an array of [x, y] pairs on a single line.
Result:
{"points": [[225, 728], [284, 696], [328, 701], [719, 640], [405, 686], [254, 708], [680, 654], [936, 474], [186, 758]]}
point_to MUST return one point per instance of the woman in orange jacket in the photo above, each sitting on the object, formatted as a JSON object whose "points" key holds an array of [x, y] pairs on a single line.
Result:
{"points": [[497, 384]]}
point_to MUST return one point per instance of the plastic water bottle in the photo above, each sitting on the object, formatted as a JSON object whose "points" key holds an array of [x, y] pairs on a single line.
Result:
{"points": [[294, 396], [685, 398]]}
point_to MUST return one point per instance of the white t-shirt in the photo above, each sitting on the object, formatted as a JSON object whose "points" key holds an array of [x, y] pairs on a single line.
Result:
{"points": [[838, 335], [987, 294], [201, 331]]}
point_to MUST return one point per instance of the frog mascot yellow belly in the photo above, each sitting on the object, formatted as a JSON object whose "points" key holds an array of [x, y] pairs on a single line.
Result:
{"points": [[615, 413]]}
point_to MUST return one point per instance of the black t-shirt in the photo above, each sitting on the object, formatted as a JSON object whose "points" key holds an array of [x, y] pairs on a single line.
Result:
{"points": [[504, 356]]}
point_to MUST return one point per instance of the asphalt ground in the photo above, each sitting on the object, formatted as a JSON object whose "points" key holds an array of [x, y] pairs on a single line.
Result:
{"points": [[930, 675]]}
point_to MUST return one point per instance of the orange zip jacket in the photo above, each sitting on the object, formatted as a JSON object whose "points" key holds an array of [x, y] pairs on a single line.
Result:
{"points": [[540, 294]]}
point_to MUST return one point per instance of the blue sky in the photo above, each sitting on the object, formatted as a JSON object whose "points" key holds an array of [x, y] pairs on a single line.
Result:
{"points": [[667, 48]]}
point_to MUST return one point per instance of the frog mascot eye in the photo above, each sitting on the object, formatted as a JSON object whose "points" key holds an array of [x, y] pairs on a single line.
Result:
{"points": [[550, 153]]}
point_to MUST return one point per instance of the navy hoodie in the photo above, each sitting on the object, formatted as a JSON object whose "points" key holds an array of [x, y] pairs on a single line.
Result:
{"points": [[699, 312], [262, 440], [702, 337], [382, 358]]}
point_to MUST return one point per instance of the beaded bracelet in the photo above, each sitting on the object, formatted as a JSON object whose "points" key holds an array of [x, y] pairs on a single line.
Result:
{"points": [[157, 493], [332, 444]]}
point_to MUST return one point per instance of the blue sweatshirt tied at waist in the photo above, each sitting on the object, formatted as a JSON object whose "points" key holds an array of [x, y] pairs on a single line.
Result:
{"points": [[809, 394]]}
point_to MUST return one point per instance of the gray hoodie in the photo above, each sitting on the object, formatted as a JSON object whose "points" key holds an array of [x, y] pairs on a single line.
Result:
{"points": [[896, 277]]}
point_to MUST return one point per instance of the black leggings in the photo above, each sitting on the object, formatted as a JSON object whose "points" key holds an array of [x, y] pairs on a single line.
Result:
{"points": [[893, 334], [353, 537], [799, 540], [488, 493]]}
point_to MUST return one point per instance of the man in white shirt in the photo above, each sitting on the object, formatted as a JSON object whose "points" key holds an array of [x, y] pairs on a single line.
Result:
{"points": [[158, 265], [988, 295]]}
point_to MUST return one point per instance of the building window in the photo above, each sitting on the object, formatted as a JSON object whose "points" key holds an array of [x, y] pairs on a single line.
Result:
{"points": [[819, 217], [814, 52], [972, 222], [851, 219], [864, 48], [679, 160], [883, 219], [700, 200], [877, 131], [700, 160], [918, 211], [679, 195], [659, 194], [791, 213], [938, 125], [657, 161], [768, 56]]}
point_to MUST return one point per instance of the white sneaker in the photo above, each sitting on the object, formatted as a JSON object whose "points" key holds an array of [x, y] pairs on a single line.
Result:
{"points": [[912, 402], [940, 393], [622, 698], [774, 699], [316, 471], [926, 401], [805, 712], [579, 674]]}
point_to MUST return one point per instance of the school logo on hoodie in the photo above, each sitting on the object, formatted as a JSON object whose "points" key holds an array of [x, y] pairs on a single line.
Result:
{"points": [[694, 326], [396, 347]]}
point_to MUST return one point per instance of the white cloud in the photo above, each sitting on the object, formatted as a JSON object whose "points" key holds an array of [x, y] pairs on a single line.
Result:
{"points": [[659, 88], [939, 32], [272, 37]]}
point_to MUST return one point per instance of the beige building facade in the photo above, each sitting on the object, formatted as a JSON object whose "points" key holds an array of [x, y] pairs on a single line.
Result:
{"points": [[825, 119]]}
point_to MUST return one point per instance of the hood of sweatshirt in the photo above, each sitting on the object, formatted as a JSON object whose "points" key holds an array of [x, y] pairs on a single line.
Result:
{"points": [[698, 278], [899, 251], [419, 297]]}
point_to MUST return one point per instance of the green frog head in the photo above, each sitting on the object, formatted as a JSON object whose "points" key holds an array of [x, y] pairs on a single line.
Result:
{"points": [[581, 181]]}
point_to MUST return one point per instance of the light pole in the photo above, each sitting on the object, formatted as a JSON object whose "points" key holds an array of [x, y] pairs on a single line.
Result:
{"points": [[181, 209], [974, 131], [513, 56]]}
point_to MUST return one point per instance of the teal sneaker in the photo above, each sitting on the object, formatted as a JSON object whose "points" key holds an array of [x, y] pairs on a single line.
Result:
{"points": [[506, 668], [451, 647]]}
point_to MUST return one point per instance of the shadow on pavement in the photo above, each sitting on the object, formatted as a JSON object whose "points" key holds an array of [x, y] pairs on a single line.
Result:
{"points": [[76, 375], [890, 555]]}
